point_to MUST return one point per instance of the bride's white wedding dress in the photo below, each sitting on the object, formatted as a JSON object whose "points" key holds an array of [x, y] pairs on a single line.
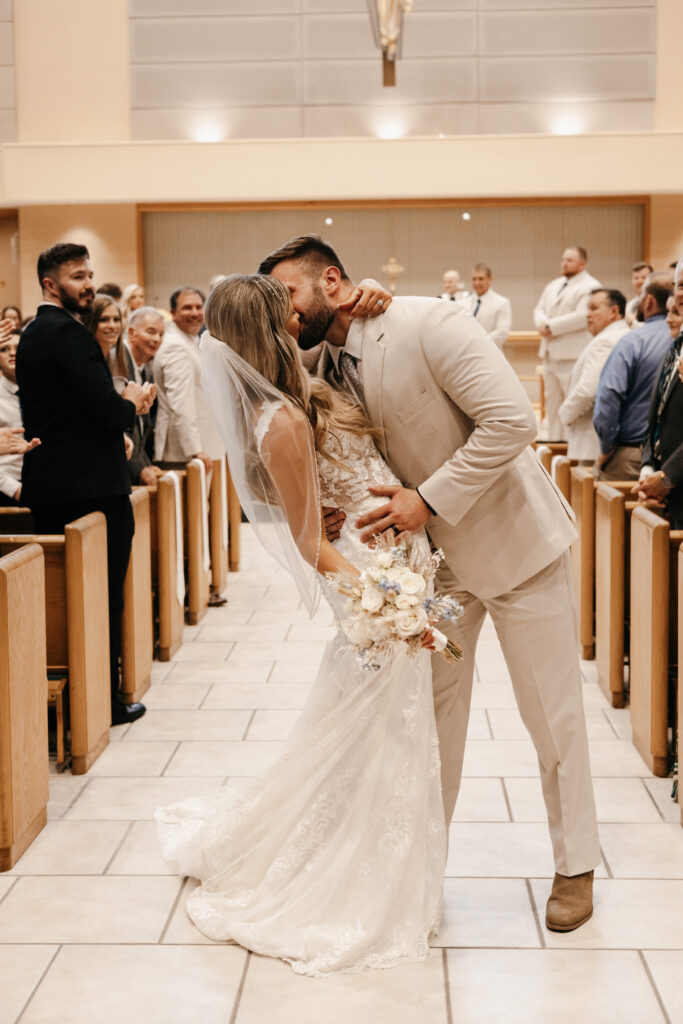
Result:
{"points": [[334, 860]]}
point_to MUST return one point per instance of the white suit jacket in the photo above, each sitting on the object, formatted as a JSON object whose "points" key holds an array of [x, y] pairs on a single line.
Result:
{"points": [[494, 315], [576, 412], [563, 310], [457, 424], [184, 424]]}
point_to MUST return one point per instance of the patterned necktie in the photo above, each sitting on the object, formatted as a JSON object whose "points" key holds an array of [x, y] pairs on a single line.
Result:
{"points": [[476, 308], [347, 363]]}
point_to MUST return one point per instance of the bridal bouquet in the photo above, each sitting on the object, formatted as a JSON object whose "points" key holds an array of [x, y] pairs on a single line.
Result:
{"points": [[389, 602]]}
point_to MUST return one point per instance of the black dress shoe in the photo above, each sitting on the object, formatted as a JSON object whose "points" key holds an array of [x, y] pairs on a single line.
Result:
{"points": [[122, 714]]}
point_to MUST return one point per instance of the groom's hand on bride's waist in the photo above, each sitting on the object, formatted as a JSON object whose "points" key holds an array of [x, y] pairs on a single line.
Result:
{"points": [[404, 511]]}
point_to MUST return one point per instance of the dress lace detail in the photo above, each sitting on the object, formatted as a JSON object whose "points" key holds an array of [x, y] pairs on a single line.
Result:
{"points": [[334, 860]]}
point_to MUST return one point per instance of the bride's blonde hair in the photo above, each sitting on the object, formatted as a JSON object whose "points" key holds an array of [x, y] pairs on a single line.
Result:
{"points": [[249, 314]]}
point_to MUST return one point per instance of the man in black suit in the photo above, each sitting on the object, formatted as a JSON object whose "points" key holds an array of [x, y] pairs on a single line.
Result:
{"points": [[68, 400], [145, 335], [661, 475]]}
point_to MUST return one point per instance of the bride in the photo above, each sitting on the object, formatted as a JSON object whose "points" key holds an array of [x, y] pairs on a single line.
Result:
{"points": [[334, 860]]}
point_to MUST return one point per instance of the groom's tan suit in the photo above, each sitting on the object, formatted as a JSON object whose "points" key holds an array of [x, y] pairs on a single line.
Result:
{"points": [[457, 424]]}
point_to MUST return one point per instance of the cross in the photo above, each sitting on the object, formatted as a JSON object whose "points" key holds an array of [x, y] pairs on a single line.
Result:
{"points": [[392, 268], [387, 25]]}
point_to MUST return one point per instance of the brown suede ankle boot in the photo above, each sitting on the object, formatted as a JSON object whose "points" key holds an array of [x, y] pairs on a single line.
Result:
{"points": [[571, 902]]}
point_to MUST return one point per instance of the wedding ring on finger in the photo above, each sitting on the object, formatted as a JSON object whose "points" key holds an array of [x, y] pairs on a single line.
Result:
{"points": [[380, 303]]}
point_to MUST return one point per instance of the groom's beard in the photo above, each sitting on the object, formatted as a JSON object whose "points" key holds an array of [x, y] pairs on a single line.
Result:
{"points": [[314, 323]]}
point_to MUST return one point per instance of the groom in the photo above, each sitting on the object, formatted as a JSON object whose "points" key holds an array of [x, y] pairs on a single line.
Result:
{"points": [[457, 425]]}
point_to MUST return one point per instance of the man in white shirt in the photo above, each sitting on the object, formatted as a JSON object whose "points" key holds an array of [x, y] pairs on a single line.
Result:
{"points": [[453, 290], [491, 310], [184, 426], [560, 319], [606, 323], [639, 275], [10, 416]]}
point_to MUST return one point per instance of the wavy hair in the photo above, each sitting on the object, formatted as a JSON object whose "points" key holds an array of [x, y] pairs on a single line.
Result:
{"points": [[116, 359], [249, 314]]}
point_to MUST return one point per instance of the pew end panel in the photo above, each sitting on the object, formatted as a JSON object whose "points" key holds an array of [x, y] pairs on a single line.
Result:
{"points": [[24, 766], [650, 635], [167, 561], [234, 524], [137, 632], [219, 529], [581, 484], [611, 574], [88, 639], [196, 544], [560, 470]]}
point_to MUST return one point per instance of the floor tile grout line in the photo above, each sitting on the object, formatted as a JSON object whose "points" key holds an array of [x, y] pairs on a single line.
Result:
{"points": [[240, 989], [174, 907], [650, 977], [77, 797], [251, 719], [534, 911], [658, 808], [447, 986], [508, 804], [206, 697], [488, 723], [168, 760], [610, 873], [37, 985], [272, 669], [609, 722], [13, 879], [120, 843]]}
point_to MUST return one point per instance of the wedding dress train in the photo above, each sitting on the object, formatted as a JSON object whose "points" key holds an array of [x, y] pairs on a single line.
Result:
{"points": [[334, 860]]}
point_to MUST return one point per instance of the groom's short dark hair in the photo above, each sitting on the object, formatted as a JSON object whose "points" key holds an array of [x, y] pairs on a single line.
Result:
{"points": [[313, 252]]}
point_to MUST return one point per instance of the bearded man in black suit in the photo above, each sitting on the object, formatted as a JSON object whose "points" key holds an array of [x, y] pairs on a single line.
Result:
{"points": [[68, 400]]}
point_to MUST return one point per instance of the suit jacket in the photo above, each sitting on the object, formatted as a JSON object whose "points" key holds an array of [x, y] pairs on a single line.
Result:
{"points": [[668, 426], [68, 400], [457, 424], [576, 412], [142, 434], [563, 310], [184, 424], [494, 314]]}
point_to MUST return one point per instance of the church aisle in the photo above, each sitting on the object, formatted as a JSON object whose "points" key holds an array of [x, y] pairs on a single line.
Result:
{"points": [[92, 922]]}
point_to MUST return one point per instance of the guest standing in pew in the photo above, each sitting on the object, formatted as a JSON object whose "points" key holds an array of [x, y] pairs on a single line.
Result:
{"points": [[68, 399], [145, 335], [622, 404], [10, 414], [661, 473]]}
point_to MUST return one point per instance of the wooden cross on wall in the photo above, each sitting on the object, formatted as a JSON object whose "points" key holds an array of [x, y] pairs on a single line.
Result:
{"points": [[387, 27]]}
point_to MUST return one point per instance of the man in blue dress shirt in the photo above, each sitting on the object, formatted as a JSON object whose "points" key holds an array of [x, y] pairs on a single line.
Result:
{"points": [[622, 405]]}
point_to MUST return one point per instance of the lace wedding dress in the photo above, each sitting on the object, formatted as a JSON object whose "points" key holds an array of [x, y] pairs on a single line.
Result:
{"points": [[334, 860]]}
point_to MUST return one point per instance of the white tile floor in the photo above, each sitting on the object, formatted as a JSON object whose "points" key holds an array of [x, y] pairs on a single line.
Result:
{"points": [[92, 923]]}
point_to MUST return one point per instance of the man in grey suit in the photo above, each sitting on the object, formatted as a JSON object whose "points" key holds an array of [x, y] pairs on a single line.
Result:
{"points": [[456, 428]]}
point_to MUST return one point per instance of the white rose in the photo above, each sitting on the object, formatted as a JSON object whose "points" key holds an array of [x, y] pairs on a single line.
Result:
{"points": [[372, 599], [379, 629], [412, 583], [406, 600], [411, 622], [385, 559], [356, 631]]}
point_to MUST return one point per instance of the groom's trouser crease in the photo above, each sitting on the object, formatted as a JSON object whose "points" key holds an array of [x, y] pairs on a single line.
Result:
{"points": [[536, 627]]}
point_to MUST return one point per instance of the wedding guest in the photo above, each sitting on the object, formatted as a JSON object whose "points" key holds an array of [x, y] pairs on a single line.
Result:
{"points": [[104, 321], [453, 290], [133, 298], [68, 399], [605, 316], [622, 403], [111, 289], [490, 309], [12, 313], [661, 474], [10, 416], [145, 335], [639, 275], [184, 426], [560, 319]]}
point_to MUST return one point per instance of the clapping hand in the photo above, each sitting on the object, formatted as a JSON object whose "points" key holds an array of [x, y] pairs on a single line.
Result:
{"points": [[368, 299], [142, 396], [12, 441]]}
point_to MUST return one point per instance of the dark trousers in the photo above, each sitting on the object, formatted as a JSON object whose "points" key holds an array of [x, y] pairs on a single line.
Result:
{"points": [[6, 502], [120, 529]]}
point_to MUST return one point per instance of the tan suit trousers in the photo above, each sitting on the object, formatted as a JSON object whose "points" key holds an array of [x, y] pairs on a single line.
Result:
{"points": [[557, 374], [536, 627]]}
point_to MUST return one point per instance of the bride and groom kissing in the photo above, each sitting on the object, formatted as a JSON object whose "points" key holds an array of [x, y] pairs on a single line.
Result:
{"points": [[335, 860]]}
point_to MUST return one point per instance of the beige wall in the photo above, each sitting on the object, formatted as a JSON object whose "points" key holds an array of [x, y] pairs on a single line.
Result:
{"points": [[666, 230], [109, 232], [9, 259], [669, 90], [71, 70]]}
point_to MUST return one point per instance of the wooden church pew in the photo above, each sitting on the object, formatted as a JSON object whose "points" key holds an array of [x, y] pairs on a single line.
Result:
{"points": [[234, 524], [582, 501], [77, 627], [23, 698], [218, 525], [137, 632], [654, 613], [167, 569], [560, 471], [196, 538]]}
